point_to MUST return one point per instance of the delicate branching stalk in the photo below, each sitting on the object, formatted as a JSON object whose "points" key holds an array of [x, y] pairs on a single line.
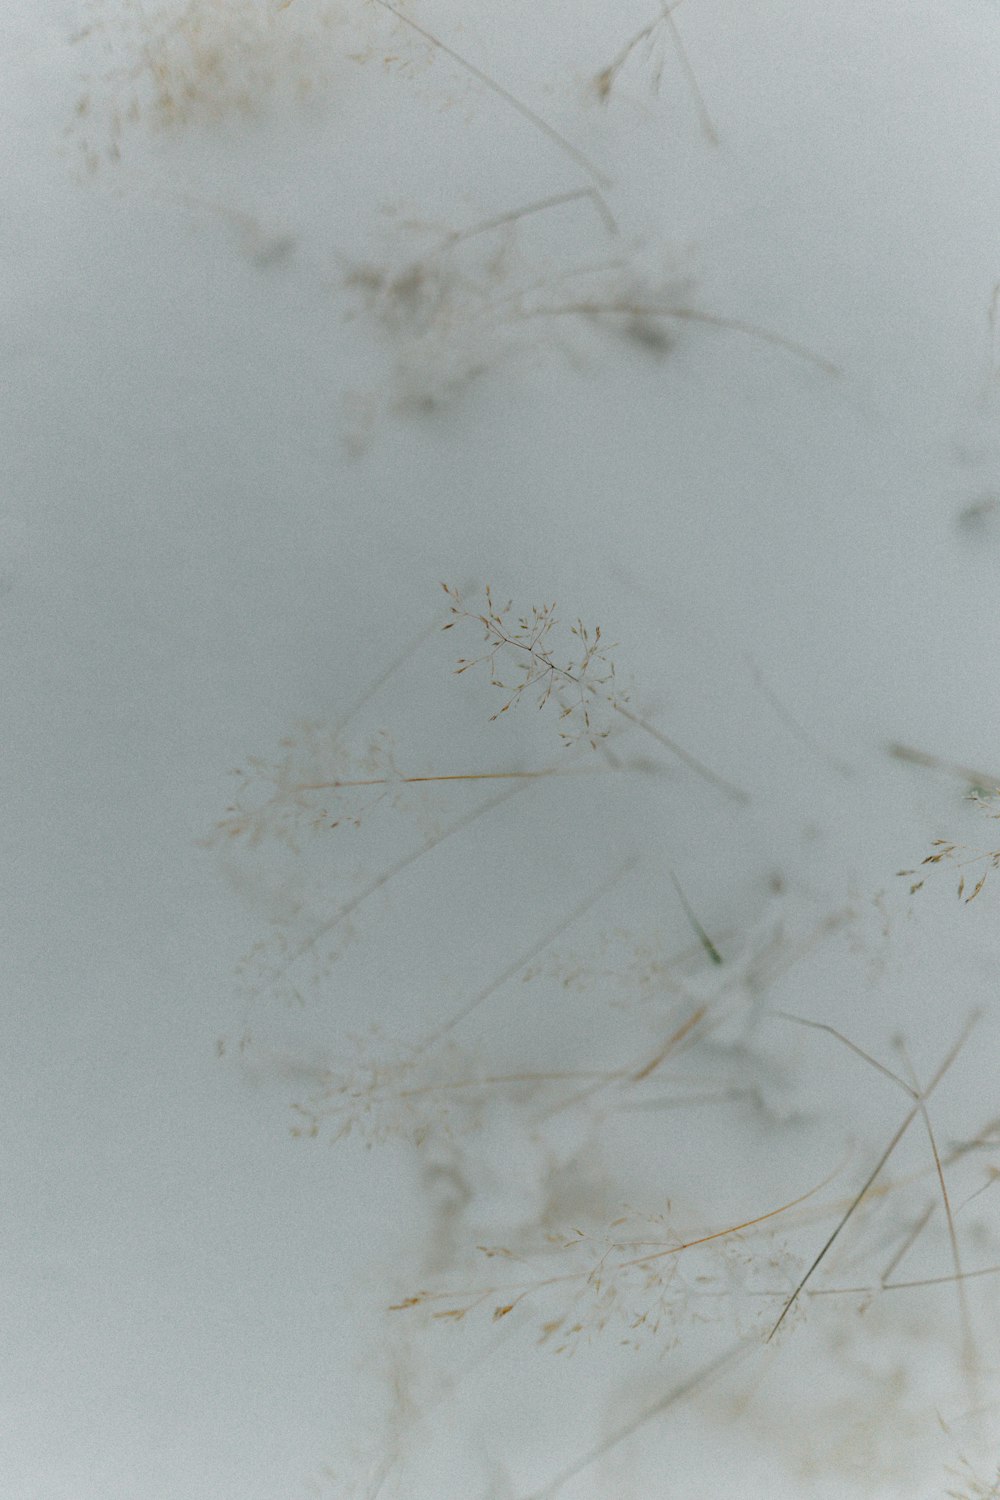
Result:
{"points": [[985, 794], [590, 677], [612, 1261], [961, 857]]}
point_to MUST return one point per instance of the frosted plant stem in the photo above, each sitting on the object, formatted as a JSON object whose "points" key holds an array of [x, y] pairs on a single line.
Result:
{"points": [[921, 1101], [541, 205], [525, 958], [677, 1393], [970, 1351], [394, 666], [704, 118], [594, 308], [511, 100], [348, 907]]}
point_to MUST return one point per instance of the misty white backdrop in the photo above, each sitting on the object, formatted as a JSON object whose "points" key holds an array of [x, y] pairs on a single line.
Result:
{"points": [[306, 310]]}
